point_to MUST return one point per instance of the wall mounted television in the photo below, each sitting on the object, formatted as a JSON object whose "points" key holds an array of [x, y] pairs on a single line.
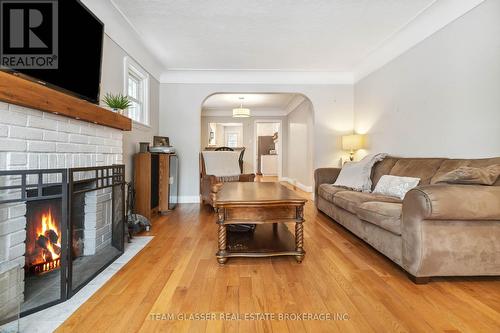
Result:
{"points": [[79, 55]]}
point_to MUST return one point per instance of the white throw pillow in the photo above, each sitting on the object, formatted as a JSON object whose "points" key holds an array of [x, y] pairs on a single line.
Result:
{"points": [[356, 175], [395, 186]]}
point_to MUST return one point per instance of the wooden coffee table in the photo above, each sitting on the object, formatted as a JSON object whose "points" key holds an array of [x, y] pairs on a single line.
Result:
{"points": [[269, 206]]}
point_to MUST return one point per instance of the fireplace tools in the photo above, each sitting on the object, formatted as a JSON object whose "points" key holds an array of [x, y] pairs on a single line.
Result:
{"points": [[136, 223]]}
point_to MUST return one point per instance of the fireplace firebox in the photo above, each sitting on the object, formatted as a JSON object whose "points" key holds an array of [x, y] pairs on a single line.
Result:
{"points": [[69, 225], [43, 237]]}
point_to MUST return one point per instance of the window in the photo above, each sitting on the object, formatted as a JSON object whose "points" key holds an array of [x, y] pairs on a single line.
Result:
{"points": [[232, 140], [137, 90]]}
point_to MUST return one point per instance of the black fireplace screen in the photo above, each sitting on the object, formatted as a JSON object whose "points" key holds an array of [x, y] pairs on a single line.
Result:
{"points": [[42, 194], [97, 231], [74, 227]]}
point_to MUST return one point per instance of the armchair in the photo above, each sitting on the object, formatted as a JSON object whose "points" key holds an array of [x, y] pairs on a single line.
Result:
{"points": [[217, 168]]}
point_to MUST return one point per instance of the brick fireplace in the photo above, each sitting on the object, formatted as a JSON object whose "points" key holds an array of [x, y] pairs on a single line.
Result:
{"points": [[31, 140]]}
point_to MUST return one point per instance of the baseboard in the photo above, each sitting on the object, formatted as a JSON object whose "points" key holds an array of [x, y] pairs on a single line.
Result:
{"points": [[297, 184], [304, 187], [188, 199]]}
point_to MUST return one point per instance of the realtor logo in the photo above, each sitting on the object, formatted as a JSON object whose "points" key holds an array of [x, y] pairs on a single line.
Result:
{"points": [[29, 34]]}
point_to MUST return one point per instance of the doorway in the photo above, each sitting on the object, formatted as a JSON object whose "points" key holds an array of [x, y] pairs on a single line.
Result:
{"points": [[268, 154]]}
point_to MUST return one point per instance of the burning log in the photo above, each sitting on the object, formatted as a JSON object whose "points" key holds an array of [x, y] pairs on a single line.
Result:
{"points": [[37, 253], [57, 249], [52, 236], [47, 255], [43, 251], [42, 241]]}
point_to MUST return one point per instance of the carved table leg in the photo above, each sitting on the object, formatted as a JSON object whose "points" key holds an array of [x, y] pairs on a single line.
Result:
{"points": [[221, 238], [299, 235]]}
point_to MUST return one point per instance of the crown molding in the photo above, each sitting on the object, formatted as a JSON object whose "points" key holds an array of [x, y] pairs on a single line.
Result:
{"points": [[254, 112], [423, 25], [296, 101], [255, 77]]}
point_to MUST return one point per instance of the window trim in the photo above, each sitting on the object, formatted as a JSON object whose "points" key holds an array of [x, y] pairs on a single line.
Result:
{"points": [[228, 134], [130, 66]]}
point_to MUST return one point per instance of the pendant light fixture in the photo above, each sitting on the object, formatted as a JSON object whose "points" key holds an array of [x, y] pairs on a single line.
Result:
{"points": [[241, 112]]}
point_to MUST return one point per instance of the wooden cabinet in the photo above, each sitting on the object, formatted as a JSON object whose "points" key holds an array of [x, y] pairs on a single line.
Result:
{"points": [[155, 183]]}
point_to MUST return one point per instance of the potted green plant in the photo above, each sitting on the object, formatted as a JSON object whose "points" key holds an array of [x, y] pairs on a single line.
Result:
{"points": [[118, 103]]}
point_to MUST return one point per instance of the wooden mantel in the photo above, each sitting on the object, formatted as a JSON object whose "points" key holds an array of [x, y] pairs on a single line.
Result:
{"points": [[19, 91]]}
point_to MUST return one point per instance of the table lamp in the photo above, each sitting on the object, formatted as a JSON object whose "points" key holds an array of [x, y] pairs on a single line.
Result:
{"points": [[352, 143]]}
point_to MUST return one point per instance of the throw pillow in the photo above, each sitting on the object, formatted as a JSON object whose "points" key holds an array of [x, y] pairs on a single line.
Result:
{"points": [[471, 175], [395, 186], [357, 175]]}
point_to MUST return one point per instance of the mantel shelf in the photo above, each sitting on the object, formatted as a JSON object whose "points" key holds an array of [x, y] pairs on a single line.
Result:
{"points": [[19, 91]]}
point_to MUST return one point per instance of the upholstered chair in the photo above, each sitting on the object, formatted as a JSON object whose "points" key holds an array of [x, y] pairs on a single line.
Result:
{"points": [[217, 168]]}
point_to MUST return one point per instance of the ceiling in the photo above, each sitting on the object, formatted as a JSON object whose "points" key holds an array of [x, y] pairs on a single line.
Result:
{"points": [[267, 104], [320, 35]]}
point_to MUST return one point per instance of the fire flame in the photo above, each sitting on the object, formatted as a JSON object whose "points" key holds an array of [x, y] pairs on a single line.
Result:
{"points": [[49, 223]]}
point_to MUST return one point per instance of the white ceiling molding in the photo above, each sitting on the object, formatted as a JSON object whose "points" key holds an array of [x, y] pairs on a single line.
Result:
{"points": [[295, 102], [254, 101], [255, 77], [426, 23], [254, 112], [120, 30]]}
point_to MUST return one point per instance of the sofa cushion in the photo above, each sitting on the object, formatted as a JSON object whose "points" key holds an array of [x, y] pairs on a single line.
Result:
{"points": [[452, 164], [327, 191], [350, 200], [423, 168], [471, 175], [386, 215]]}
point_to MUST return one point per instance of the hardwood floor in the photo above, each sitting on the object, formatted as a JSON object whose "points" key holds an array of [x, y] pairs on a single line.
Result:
{"points": [[260, 178], [178, 274]]}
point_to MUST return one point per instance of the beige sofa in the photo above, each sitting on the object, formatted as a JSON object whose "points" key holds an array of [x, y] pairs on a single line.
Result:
{"points": [[437, 230]]}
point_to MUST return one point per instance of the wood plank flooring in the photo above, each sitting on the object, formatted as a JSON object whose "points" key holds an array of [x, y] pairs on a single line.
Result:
{"points": [[177, 274]]}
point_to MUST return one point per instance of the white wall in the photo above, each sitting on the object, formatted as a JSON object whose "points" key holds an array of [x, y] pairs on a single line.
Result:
{"points": [[180, 107], [122, 40], [442, 97], [301, 146], [267, 129], [112, 82]]}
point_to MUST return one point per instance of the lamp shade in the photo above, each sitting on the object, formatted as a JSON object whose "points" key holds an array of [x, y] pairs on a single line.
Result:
{"points": [[352, 142], [241, 113]]}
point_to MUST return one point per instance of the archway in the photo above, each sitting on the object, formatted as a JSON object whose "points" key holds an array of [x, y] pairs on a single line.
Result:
{"points": [[278, 137]]}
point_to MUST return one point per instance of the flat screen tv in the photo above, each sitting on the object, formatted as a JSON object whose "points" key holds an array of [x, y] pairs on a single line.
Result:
{"points": [[80, 38]]}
